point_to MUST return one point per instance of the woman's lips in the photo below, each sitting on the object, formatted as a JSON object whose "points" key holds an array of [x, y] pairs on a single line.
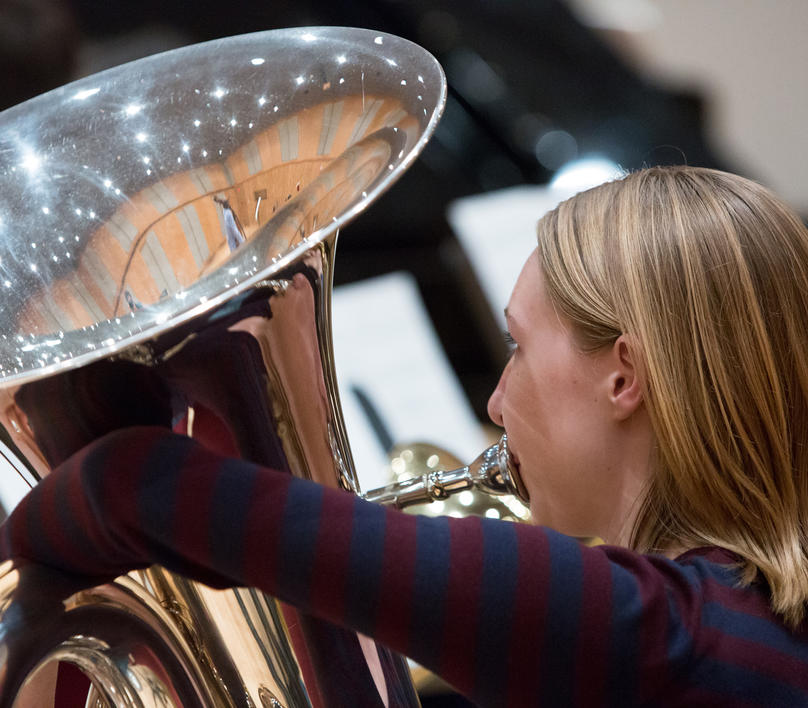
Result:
{"points": [[514, 459], [516, 474], [512, 454]]}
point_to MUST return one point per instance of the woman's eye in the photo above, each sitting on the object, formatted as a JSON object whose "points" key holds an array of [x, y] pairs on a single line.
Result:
{"points": [[510, 343]]}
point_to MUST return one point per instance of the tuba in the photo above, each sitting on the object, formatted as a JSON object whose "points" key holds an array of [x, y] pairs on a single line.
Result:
{"points": [[167, 236]]}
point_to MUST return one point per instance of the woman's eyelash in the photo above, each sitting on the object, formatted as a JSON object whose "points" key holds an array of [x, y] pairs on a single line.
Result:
{"points": [[510, 342]]}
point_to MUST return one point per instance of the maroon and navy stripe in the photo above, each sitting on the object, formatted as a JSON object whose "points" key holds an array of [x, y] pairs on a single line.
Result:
{"points": [[430, 583], [510, 614], [496, 597]]}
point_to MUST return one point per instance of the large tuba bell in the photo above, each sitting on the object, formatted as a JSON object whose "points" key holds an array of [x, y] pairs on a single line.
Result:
{"points": [[167, 233]]}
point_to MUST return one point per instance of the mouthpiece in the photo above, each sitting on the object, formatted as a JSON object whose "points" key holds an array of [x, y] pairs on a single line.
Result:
{"points": [[493, 472]]}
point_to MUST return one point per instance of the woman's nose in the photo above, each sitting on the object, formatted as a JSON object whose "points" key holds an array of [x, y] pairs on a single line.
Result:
{"points": [[495, 401]]}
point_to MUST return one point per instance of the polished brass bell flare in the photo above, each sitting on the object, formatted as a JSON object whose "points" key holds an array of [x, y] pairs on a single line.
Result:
{"points": [[167, 236]]}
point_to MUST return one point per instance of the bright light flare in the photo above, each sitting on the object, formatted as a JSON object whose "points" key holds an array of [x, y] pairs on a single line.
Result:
{"points": [[582, 174], [31, 162], [85, 94]]}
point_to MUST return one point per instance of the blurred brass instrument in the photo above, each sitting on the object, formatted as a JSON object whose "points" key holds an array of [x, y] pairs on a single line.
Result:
{"points": [[167, 235]]}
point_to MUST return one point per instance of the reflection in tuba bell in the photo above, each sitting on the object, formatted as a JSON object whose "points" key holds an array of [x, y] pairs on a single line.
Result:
{"points": [[167, 233]]}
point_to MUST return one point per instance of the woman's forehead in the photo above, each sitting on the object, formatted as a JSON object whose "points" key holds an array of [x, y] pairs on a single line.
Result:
{"points": [[530, 275], [527, 291]]}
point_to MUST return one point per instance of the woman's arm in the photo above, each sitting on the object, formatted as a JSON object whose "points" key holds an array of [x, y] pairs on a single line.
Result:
{"points": [[507, 613]]}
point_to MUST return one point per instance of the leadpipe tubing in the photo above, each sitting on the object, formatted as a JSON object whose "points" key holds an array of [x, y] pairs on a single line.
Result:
{"points": [[492, 472]]}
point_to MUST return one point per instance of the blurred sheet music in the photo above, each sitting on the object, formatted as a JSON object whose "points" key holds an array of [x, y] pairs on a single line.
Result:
{"points": [[498, 233], [387, 350]]}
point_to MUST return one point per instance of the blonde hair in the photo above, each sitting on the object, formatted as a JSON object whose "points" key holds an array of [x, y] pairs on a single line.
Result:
{"points": [[707, 275]]}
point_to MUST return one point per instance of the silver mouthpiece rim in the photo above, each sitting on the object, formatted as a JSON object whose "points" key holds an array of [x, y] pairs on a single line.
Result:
{"points": [[493, 472]]}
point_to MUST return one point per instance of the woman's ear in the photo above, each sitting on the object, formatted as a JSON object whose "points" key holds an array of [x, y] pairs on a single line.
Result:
{"points": [[625, 382]]}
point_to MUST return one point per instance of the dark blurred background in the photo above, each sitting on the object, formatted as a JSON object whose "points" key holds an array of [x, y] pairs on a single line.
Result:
{"points": [[531, 87]]}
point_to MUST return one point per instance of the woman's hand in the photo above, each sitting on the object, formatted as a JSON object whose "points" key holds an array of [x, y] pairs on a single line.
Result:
{"points": [[136, 497]]}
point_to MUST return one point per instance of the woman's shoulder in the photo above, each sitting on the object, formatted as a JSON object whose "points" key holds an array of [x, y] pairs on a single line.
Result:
{"points": [[710, 554], [743, 643], [718, 572]]}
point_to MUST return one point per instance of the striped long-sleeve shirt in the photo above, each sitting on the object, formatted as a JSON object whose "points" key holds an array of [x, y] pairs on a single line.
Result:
{"points": [[509, 614]]}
